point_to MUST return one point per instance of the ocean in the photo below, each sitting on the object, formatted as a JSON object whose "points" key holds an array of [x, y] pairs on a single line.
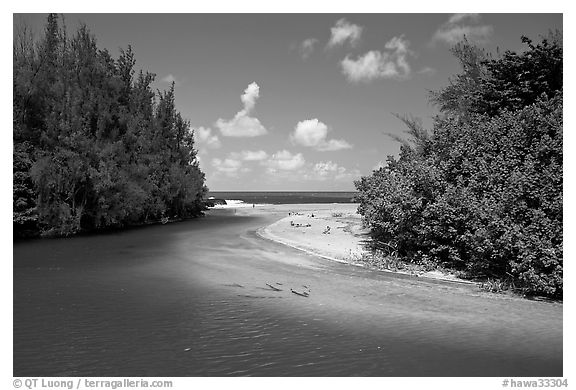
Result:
{"points": [[285, 197]]}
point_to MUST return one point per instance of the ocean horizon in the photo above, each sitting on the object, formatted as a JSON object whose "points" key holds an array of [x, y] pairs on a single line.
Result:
{"points": [[285, 197]]}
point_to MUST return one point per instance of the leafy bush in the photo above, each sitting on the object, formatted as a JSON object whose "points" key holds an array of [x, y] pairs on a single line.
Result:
{"points": [[483, 192]]}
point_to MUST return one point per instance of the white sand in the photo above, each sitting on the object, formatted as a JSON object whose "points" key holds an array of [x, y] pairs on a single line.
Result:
{"points": [[345, 241], [304, 229]]}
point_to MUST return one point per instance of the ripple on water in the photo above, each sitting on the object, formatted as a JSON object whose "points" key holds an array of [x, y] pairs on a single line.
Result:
{"points": [[187, 302]]}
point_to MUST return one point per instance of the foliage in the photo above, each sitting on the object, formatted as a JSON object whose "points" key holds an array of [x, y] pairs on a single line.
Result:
{"points": [[25, 217], [511, 82], [482, 193], [94, 146]]}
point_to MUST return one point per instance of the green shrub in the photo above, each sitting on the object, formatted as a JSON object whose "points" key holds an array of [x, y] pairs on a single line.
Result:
{"points": [[481, 194]]}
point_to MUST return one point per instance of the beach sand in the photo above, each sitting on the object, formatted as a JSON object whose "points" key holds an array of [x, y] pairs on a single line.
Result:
{"points": [[333, 232], [305, 227]]}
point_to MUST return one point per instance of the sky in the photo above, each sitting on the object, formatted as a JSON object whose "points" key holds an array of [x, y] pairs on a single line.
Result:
{"points": [[300, 102]]}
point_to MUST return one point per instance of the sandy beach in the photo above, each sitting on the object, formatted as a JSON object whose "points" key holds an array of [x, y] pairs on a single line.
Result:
{"points": [[334, 232], [331, 231]]}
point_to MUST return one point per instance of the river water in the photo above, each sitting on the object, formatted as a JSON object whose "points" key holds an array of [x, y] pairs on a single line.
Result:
{"points": [[190, 299]]}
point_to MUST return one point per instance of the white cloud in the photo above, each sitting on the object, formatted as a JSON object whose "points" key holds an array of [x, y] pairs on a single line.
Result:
{"points": [[284, 161], [228, 166], [399, 48], [390, 63], [251, 93], [333, 145], [344, 31], [371, 65], [312, 133], [307, 47], [233, 164], [285, 168], [243, 125], [460, 25], [247, 155], [329, 170], [204, 136]]}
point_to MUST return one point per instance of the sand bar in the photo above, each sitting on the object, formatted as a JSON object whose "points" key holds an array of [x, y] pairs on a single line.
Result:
{"points": [[331, 231]]}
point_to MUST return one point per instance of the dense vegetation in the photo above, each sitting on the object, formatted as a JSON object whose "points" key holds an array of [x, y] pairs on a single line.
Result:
{"points": [[94, 146], [482, 192]]}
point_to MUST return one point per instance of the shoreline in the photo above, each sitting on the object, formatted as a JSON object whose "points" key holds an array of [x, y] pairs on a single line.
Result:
{"points": [[352, 235], [305, 227]]}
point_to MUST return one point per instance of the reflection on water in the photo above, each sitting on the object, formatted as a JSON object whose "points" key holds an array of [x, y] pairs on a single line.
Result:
{"points": [[190, 299]]}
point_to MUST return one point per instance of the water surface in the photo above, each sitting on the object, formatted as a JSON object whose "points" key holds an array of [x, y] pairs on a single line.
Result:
{"points": [[283, 197], [190, 299]]}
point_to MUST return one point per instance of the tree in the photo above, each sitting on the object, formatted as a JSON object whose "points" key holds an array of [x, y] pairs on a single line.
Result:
{"points": [[94, 146], [514, 80], [482, 193]]}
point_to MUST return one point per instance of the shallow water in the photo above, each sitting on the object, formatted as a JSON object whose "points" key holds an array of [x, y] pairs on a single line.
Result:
{"points": [[190, 299]]}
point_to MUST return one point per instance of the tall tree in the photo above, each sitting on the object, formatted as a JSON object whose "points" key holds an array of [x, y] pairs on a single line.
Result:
{"points": [[94, 146]]}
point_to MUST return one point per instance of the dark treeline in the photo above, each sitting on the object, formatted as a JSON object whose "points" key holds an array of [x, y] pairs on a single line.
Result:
{"points": [[482, 192], [95, 146]]}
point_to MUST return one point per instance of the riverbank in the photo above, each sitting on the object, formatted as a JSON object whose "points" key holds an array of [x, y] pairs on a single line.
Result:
{"points": [[333, 232]]}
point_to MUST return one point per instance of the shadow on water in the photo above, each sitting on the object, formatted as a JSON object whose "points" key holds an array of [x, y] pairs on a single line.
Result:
{"points": [[192, 299]]}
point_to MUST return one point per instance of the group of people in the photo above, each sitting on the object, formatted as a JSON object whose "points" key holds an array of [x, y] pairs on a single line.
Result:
{"points": [[299, 224], [326, 231]]}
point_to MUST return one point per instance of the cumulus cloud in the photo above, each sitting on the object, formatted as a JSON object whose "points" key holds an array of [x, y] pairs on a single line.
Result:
{"points": [[329, 168], [284, 161], [307, 47], [330, 171], [248, 155], [204, 136], [243, 125], [312, 133], [333, 145], [227, 166], [233, 164], [460, 25], [387, 64], [344, 31], [251, 93]]}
